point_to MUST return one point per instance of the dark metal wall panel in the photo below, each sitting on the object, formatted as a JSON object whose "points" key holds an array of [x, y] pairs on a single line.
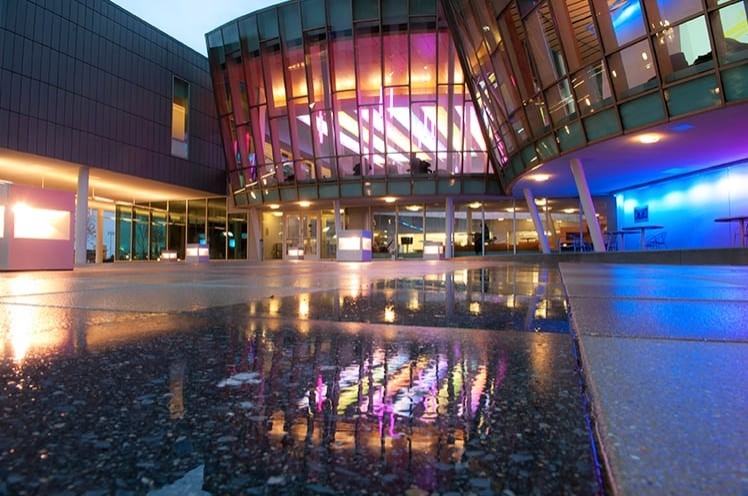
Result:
{"points": [[91, 83]]}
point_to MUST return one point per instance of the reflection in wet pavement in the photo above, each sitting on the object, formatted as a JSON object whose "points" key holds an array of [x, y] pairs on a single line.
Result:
{"points": [[410, 386]]}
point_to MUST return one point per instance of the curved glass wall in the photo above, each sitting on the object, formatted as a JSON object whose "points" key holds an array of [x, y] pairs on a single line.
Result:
{"points": [[556, 75], [343, 99], [328, 99]]}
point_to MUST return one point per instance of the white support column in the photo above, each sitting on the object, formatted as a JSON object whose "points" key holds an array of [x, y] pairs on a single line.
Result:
{"points": [[81, 217], [535, 216], [588, 207], [99, 235], [483, 229], [255, 250], [514, 226], [449, 217], [338, 220]]}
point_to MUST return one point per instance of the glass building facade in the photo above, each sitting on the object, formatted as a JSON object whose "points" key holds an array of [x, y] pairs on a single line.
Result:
{"points": [[438, 106]]}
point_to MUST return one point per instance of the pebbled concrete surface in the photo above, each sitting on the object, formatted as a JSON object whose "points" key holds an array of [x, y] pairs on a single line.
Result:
{"points": [[665, 357]]}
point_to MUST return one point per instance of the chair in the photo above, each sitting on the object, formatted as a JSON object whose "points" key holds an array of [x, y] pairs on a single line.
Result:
{"points": [[611, 241], [577, 241], [657, 241]]}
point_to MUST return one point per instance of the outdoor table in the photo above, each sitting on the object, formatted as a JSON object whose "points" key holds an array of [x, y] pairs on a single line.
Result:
{"points": [[742, 221], [643, 230]]}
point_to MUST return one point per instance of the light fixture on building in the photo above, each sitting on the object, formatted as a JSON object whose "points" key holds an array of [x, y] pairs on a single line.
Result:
{"points": [[540, 177], [304, 204], [389, 199], [649, 138]]}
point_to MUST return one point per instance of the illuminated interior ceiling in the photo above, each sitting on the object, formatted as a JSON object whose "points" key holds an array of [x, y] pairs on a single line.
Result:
{"points": [[686, 145], [34, 170]]}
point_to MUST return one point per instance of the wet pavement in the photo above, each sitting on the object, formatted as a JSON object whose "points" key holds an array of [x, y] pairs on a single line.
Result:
{"points": [[303, 378]]}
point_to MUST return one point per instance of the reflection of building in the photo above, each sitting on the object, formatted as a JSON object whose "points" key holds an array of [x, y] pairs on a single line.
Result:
{"points": [[417, 404], [341, 105]]}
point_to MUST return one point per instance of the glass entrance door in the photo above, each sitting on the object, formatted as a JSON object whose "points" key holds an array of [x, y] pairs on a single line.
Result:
{"points": [[302, 231], [311, 236]]}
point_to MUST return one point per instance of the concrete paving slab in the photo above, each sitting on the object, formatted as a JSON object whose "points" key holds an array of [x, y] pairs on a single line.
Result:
{"points": [[664, 352]]}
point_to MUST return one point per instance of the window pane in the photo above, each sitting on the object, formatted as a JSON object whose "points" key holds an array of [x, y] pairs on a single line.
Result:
{"points": [[290, 24], [397, 122], [632, 70], [180, 108], [296, 71], [620, 23], [561, 102], [368, 63], [684, 49], [339, 17], [274, 77], [545, 46], [591, 88], [663, 13], [176, 227], [730, 33], [423, 65], [140, 226], [196, 221], [343, 64], [365, 10], [313, 13], [319, 72], [395, 50]]}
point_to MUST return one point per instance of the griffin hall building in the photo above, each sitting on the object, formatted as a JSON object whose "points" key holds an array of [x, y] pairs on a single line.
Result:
{"points": [[428, 127]]}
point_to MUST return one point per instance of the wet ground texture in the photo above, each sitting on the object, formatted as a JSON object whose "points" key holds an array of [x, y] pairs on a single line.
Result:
{"points": [[464, 382]]}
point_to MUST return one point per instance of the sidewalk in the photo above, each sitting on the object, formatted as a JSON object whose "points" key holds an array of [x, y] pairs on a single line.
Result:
{"points": [[663, 351], [665, 357]]}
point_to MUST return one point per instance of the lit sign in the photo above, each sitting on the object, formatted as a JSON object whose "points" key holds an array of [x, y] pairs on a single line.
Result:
{"points": [[40, 223]]}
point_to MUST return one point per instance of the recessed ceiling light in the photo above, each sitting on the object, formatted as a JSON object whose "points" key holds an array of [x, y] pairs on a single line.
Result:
{"points": [[540, 177], [304, 204], [649, 138], [389, 199]]}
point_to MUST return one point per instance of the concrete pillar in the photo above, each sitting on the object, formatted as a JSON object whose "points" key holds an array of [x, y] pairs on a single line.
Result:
{"points": [[588, 207], [535, 216], [449, 216], [81, 217], [99, 235], [255, 243], [514, 226], [338, 219]]}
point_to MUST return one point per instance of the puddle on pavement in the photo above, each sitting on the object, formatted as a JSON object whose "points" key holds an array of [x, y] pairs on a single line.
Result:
{"points": [[371, 390]]}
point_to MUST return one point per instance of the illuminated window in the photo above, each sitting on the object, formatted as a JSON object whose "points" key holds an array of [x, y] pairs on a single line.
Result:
{"points": [[40, 223], [180, 113]]}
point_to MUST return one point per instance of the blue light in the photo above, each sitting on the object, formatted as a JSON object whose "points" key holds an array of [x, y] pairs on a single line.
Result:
{"points": [[626, 14]]}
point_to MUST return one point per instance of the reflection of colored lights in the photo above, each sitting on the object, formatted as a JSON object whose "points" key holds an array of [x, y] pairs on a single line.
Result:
{"points": [[541, 309], [389, 313], [475, 307], [304, 306], [274, 306], [25, 326]]}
